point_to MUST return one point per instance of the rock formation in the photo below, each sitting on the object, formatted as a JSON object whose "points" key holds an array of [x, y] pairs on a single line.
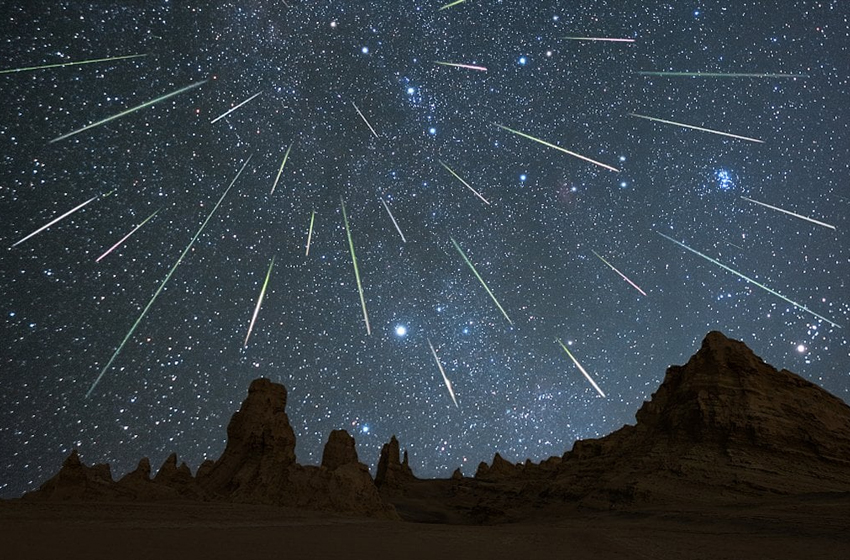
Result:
{"points": [[339, 450], [391, 470]]}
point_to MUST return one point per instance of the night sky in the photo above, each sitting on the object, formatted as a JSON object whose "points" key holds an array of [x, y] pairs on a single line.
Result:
{"points": [[538, 244]]}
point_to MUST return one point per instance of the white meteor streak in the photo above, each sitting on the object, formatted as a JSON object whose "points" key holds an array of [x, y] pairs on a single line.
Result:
{"points": [[398, 229], [750, 280], [443, 373], [126, 237], [560, 149], [581, 369], [623, 276], [362, 116], [701, 129], [806, 218], [310, 233], [259, 303], [60, 218], [218, 118], [609, 39], [467, 185], [459, 65]]}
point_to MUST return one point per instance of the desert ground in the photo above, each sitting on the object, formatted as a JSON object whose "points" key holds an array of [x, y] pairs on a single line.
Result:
{"points": [[808, 526]]}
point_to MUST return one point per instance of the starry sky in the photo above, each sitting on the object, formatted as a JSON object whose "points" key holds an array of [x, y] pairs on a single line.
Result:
{"points": [[326, 71]]}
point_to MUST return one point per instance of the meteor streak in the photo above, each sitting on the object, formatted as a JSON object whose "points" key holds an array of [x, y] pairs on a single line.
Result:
{"points": [[812, 220], [720, 75], [398, 229], [128, 111], [608, 39], [466, 66], [469, 263], [126, 237], [701, 129], [63, 64], [310, 232], [449, 5], [356, 270], [623, 276], [165, 281], [458, 177], [443, 373], [259, 303], [750, 280], [60, 218], [234, 108], [560, 149], [279, 171], [362, 116], [581, 369]]}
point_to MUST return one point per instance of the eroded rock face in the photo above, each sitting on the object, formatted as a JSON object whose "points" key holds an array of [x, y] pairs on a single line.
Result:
{"points": [[391, 470], [260, 448], [340, 450], [76, 481]]}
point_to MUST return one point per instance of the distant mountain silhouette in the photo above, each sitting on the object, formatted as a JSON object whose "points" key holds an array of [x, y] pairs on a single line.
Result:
{"points": [[724, 428]]}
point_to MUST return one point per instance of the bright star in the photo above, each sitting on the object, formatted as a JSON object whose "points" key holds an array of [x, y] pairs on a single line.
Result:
{"points": [[400, 330]]}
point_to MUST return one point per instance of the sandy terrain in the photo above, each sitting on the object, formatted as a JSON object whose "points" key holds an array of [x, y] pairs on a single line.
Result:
{"points": [[809, 527]]}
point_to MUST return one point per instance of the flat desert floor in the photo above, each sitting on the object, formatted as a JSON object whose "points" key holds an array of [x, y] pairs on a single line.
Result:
{"points": [[811, 527]]}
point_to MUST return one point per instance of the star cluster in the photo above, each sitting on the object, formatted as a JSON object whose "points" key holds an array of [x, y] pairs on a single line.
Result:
{"points": [[356, 91]]}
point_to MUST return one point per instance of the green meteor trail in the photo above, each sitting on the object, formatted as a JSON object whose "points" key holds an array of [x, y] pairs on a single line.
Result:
{"points": [[60, 218], [310, 232], [259, 303], [701, 129], [128, 111], [467, 185], [469, 263], [165, 281], [581, 369], [63, 64], [356, 270], [279, 171], [126, 237], [750, 280], [719, 75], [560, 149], [449, 5]]}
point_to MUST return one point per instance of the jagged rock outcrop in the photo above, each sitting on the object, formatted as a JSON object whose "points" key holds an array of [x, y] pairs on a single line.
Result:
{"points": [[76, 481], [260, 448], [340, 450], [392, 471]]}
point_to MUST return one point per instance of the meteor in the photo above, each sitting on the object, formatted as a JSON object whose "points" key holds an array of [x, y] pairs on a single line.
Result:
{"points": [[750, 280], [259, 303], [128, 111], [449, 5], [548, 145], [701, 129], [623, 276], [466, 66], [356, 270], [469, 263], [63, 64], [234, 108], [362, 116], [443, 373], [581, 369], [310, 232], [60, 218], [608, 39], [165, 281], [458, 177], [279, 171], [398, 229], [719, 75], [812, 220], [126, 237]]}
